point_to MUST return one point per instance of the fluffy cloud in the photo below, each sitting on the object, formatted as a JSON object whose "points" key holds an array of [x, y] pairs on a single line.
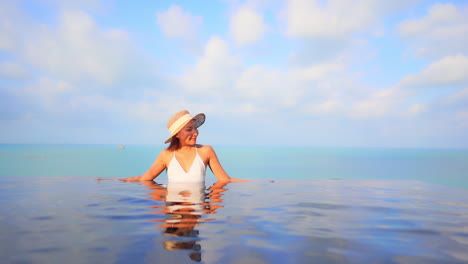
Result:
{"points": [[215, 70], [317, 71], [447, 72], [327, 107], [10, 24], [329, 29], [46, 94], [337, 19], [443, 31], [247, 26], [450, 107], [460, 96], [95, 5], [76, 49], [259, 89], [417, 109], [79, 50], [379, 104], [462, 117], [175, 23], [456, 102], [266, 88], [79, 68], [14, 71]]}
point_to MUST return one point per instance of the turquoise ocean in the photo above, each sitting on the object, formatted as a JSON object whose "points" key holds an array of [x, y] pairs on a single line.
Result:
{"points": [[303, 205], [440, 166]]}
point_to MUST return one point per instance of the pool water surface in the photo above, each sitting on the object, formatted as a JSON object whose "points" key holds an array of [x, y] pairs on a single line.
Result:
{"points": [[81, 220]]}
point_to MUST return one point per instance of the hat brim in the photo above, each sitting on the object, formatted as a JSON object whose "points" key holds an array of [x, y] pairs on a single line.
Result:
{"points": [[199, 120]]}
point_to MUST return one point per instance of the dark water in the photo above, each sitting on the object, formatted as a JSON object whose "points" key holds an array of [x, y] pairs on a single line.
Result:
{"points": [[80, 220]]}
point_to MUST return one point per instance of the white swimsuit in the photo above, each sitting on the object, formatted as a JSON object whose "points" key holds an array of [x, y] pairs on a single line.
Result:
{"points": [[186, 189], [186, 195], [196, 173]]}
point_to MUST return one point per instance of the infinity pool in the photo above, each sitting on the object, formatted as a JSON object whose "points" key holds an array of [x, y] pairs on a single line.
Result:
{"points": [[81, 220]]}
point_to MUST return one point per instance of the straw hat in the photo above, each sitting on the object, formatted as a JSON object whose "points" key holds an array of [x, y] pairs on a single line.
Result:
{"points": [[180, 119]]}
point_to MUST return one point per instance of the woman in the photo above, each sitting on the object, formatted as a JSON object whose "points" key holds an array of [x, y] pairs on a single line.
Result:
{"points": [[184, 159]]}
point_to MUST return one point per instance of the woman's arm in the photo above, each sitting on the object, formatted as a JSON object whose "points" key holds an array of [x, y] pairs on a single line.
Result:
{"points": [[216, 167], [156, 168]]}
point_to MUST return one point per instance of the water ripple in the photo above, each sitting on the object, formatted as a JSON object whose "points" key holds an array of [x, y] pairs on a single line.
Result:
{"points": [[325, 221]]}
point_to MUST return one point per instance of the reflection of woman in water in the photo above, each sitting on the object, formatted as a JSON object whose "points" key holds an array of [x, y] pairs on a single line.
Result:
{"points": [[184, 159], [185, 162], [185, 205]]}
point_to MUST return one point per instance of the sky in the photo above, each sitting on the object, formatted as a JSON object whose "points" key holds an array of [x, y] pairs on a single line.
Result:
{"points": [[336, 73]]}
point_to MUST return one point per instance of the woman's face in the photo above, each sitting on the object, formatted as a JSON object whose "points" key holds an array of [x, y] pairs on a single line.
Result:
{"points": [[188, 135]]}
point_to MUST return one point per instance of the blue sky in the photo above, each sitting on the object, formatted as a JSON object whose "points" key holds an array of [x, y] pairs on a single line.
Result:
{"points": [[338, 73]]}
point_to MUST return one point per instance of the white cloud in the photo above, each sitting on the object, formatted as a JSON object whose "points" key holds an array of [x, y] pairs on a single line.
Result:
{"points": [[11, 21], [443, 31], [175, 23], [463, 94], [449, 71], [327, 107], [330, 29], [457, 101], [462, 119], [417, 109], [219, 74], [379, 104], [60, 98], [78, 50], [94, 5], [462, 116], [266, 87], [259, 89], [337, 19], [250, 108], [214, 72], [158, 106], [370, 109], [46, 93], [149, 111], [277, 89], [247, 26], [112, 109], [317, 71], [310, 18], [14, 71], [439, 14]]}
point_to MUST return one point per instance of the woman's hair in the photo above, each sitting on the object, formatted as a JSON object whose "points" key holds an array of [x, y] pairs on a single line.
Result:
{"points": [[175, 144]]}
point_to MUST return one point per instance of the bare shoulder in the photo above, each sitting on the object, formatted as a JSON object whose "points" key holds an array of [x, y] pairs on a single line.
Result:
{"points": [[165, 155], [206, 152], [165, 152], [205, 148]]}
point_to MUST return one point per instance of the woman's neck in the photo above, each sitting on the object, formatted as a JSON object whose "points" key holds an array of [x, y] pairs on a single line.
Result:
{"points": [[186, 148]]}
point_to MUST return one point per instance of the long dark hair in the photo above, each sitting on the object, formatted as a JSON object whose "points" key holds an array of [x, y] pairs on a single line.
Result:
{"points": [[175, 144]]}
